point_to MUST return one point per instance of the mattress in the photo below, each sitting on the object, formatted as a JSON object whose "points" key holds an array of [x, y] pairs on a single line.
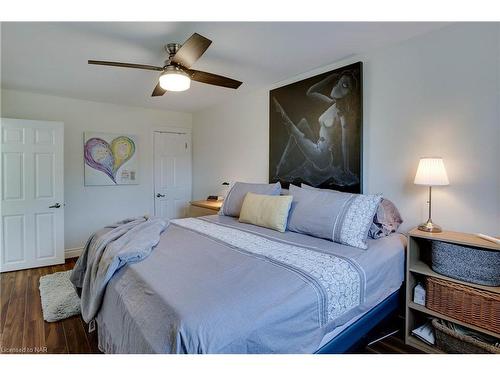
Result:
{"points": [[198, 294]]}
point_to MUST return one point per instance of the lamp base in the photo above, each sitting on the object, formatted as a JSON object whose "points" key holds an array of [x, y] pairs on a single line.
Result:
{"points": [[429, 226]]}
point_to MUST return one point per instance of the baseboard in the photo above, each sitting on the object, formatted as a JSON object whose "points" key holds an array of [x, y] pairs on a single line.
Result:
{"points": [[73, 253]]}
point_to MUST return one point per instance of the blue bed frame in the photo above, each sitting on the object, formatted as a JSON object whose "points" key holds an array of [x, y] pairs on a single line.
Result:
{"points": [[348, 338]]}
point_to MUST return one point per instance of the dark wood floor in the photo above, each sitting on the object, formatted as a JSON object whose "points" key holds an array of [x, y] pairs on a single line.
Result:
{"points": [[393, 344], [22, 328]]}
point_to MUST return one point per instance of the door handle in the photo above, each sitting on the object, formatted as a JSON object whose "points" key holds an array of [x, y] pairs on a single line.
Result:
{"points": [[57, 205], [158, 195]]}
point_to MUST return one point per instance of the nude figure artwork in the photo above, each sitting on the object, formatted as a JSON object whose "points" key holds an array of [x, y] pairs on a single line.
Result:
{"points": [[325, 153]]}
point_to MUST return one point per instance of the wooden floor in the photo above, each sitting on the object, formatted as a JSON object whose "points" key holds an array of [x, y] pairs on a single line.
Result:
{"points": [[23, 330], [390, 345]]}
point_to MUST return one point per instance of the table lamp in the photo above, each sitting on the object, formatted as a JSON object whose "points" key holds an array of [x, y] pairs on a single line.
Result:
{"points": [[431, 172], [224, 189]]}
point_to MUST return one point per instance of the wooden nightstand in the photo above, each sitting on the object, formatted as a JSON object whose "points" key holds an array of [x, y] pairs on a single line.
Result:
{"points": [[204, 207], [418, 267]]}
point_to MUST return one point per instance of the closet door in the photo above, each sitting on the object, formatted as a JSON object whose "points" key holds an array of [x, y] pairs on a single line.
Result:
{"points": [[172, 169], [32, 194]]}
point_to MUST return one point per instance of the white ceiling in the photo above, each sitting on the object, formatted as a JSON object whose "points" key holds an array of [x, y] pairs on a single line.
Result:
{"points": [[52, 57]]}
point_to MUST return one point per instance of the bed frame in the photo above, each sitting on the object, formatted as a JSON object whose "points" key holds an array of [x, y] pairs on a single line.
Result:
{"points": [[352, 335]]}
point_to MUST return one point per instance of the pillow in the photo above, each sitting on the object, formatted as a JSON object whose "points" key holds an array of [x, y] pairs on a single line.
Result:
{"points": [[234, 199], [340, 217], [385, 221], [266, 210]]}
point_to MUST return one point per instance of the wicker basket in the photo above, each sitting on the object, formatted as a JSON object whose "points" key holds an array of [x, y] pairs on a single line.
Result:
{"points": [[469, 305], [450, 341]]}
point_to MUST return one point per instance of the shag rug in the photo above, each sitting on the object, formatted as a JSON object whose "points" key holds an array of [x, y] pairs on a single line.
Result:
{"points": [[59, 298]]}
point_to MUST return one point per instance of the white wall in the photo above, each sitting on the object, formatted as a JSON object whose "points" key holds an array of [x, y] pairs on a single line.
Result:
{"points": [[91, 207], [434, 95]]}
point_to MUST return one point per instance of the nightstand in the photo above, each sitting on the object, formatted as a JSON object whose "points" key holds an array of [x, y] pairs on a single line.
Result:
{"points": [[418, 268], [204, 207]]}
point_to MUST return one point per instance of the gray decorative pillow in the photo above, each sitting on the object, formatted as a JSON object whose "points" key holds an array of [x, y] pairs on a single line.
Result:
{"points": [[234, 199], [386, 221], [340, 217]]}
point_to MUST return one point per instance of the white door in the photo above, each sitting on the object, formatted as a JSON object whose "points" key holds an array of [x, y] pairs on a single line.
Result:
{"points": [[32, 194], [172, 174]]}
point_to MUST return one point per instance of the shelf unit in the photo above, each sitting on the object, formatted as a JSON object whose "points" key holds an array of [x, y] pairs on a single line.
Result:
{"points": [[417, 268], [422, 268]]}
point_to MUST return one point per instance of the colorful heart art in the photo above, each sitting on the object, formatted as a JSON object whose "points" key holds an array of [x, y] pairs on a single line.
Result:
{"points": [[107, 158]]}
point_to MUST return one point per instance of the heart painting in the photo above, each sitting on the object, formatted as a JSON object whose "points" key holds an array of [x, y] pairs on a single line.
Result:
{"points": [[107, 154]]}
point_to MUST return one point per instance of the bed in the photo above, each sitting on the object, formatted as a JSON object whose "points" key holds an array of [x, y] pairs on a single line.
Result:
{"points": [[204, 290]]}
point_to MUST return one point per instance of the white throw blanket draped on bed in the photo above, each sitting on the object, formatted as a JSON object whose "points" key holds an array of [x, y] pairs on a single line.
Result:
{"points": [[128, 241]]}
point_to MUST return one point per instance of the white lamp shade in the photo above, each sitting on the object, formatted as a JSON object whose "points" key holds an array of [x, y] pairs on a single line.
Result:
{"points": [[431, 172], [175, 81]]}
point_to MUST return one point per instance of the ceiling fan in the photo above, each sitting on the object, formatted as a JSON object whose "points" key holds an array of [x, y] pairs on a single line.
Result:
{"points": [[177, 73]]}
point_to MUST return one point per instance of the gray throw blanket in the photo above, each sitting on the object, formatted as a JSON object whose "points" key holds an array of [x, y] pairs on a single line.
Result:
{"points": [[106, 251]]}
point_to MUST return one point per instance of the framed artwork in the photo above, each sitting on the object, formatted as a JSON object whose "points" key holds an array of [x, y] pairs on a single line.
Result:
{"points": [[315, 131], [110, 159]]}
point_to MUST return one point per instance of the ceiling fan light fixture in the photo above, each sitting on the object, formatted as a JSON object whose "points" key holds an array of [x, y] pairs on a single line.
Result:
{"points": [[175, 80], [176, 73]]}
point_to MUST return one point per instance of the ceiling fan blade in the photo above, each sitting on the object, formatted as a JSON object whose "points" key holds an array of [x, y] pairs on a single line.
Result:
{"points": [[191, 50], [214, 79], [158, 91], [126, 65]]}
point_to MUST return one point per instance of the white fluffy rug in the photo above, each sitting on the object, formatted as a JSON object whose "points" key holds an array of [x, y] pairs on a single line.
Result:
{"points": [[59, 299]]}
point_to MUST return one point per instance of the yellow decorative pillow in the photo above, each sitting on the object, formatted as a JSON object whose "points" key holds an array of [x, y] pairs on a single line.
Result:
{"points": [[270, 211]]}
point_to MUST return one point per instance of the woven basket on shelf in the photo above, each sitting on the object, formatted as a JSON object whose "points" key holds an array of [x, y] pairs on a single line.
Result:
{"points": [[464, 303], [450, 341]]}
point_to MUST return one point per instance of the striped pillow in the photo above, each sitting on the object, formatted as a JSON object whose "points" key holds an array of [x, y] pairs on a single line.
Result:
{"points": [[234, 199], [386, 220], [340, 217]]}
